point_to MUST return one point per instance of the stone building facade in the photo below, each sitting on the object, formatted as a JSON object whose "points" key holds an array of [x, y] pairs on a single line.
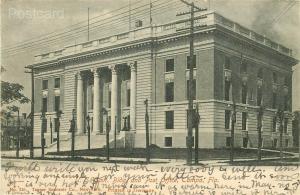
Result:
{"points": [[118, 73]]}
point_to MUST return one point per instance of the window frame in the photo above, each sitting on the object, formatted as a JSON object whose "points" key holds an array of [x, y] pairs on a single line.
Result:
{"points": [[45, 84], [55, 82], [169, 97], [169, 119], [167, 65], [170, 143]]}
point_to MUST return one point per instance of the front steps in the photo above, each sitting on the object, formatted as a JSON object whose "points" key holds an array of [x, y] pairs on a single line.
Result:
{"points": [[124, 139]]}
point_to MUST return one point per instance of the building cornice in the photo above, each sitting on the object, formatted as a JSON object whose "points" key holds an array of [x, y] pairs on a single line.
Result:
{"points": [[160, 34]]}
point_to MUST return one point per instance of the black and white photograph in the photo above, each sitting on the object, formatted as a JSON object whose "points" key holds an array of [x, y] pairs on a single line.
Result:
{"points": [[150, 97]]}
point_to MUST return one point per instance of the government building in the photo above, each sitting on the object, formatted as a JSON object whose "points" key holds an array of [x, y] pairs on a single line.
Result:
{"points": [[105, 82]]}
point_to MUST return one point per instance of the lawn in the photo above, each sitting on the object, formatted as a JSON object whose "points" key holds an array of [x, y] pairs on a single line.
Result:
{"points": [[171, 153]]}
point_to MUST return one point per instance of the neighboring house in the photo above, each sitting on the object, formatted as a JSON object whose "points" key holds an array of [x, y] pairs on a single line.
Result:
{"points": [[121, 71], [9, 132]]}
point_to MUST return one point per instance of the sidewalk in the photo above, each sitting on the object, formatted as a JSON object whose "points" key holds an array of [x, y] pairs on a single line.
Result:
{"points": [[37, 154]]}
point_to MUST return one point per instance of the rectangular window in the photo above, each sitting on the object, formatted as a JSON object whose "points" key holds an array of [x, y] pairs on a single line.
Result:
{"points": [[44, 104], [169, 92], [168, 141], [109, 99], [228, 141], [188, 62], [286, 143], [227, 119], [274, 124], [193, 89], [285, 125], [128, 97], [56, 103], [227, 63], [274, 100], [259, 96], [169, 119], [244, 94], [169, 65], [244, 120], [245, 142], [57, 83], [227, 90], [275, 141], [45, 85]]}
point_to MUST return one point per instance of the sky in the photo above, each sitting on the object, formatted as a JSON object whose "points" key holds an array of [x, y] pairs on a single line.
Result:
{"points": [[23, 20]]}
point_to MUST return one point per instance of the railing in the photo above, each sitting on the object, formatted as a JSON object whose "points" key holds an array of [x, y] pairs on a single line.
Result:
{"points": [[169, 28]]}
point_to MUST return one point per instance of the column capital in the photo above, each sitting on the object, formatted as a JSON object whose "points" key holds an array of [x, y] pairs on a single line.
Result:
{"points": [[95, 71], [79, 75], [132, 66], [113, 68]]}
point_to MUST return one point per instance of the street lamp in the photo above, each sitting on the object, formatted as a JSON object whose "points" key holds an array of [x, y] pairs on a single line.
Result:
{"points": [[43, 128], [51, 136], [280, 116], [259, 127], [89, 131], [57, 126], [72, 130], [105, 113], [147, 132]]}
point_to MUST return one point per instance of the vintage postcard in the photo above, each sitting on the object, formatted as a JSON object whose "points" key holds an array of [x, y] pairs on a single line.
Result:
{"points": [[150, 97]]}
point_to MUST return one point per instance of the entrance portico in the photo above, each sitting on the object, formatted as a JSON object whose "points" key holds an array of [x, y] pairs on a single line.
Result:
{"points": [[119, 97]]}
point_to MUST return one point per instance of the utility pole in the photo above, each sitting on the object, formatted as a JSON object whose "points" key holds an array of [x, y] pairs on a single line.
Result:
{"points": [[196, 122], [233, 120], [88, 30], [32, 111], [259, 127], [150, 12], [147, 132], [18, 135], [191, 62], [129, 15], [89, 131], [72, 129]]}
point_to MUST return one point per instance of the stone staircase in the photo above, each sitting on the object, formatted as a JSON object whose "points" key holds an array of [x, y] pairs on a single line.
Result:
{"points": [[124, 139]]}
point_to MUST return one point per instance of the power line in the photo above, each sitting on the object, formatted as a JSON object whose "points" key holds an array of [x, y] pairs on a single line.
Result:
{"points": [[79, 29], [289, 6], [73, 25], [93, 28]]}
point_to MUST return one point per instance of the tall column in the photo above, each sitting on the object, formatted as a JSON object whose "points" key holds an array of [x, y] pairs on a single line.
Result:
{"points": [[96, 107], [79, 114], [132, 95], [114, 97]]}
